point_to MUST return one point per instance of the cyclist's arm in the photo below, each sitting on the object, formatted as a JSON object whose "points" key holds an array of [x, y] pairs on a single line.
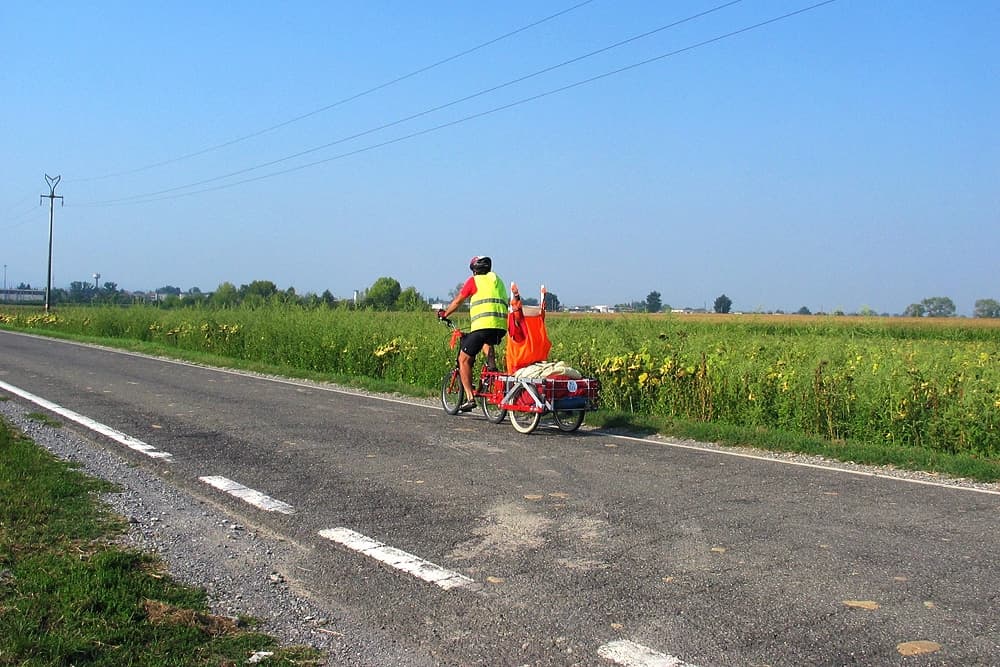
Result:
{"points": [[468, 289]]}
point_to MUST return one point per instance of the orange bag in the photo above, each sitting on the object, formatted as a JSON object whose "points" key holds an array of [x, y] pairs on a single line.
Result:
{"points": [[528, 341]]}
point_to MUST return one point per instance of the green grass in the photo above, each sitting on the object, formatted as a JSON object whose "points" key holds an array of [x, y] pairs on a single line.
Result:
{"points": [[68, 596], [906, 391], [43, 418]]}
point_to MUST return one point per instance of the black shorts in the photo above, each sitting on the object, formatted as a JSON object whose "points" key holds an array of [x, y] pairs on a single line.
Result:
{"points": [[472, 342]]}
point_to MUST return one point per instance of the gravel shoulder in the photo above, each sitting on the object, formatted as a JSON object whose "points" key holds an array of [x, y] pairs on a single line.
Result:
{"points": [[201, 546]]}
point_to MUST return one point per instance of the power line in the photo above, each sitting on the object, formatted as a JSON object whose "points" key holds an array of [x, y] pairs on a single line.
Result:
{"points": [[151, 198], [440, 107], [13, 221], [20, 220], [19, 203], [343, 101]]}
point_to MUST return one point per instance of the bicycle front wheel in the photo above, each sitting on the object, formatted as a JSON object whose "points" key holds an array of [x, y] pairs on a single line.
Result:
{"points": [[452, 392]]}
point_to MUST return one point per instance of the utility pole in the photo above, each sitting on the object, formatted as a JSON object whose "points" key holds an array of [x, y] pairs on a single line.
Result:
{"points": [[52, 197]]}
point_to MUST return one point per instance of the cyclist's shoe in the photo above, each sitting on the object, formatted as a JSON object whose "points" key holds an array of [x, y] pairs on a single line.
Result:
{"points": [[467, 406]]}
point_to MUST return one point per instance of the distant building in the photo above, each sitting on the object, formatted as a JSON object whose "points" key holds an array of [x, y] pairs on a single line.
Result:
{"points": [[22, 296]]}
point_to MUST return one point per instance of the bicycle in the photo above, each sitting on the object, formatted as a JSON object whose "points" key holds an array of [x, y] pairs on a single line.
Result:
{"points": [[488, 390]]}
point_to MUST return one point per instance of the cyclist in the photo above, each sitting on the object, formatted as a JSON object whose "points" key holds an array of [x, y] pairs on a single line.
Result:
{"points": [[488, 312]]}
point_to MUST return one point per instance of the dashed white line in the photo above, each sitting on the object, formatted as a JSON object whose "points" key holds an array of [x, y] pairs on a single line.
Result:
{"points": [[255, 498], [103, 429], [631, 654], [401, 560]]}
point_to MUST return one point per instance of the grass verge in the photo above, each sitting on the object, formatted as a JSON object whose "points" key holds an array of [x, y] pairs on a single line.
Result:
{"points": [[218, 361], [69, 596]]}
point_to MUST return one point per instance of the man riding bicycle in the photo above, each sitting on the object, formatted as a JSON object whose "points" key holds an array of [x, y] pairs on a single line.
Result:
{"points": [[488, 312]]}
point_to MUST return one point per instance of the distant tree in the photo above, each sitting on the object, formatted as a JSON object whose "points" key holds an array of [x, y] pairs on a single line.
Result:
{"points": [[194, 290], [915, 310], [987, 308], [867, 311], [171, 301], [328, 298], [383, 294], [723, 304], [169, 289], [80, 292], [803, 311], [193, 299], [552, 302], [410, 299], [262, 288], [939, 306], [225, 295], [653, 303], [23, 286], [630, 307]]}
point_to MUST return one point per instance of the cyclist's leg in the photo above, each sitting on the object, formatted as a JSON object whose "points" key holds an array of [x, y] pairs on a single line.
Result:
{"points": [[465, 372], [472, 343], [493, 339]]}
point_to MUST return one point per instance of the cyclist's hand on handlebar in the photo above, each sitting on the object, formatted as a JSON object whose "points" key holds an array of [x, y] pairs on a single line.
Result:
{"points": [[441, 314]]}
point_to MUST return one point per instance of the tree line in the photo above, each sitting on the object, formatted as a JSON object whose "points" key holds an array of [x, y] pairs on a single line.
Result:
{"points": [[935, 306], [386, 293]]}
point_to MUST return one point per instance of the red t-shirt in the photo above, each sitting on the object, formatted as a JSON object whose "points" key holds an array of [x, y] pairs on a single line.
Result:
{"points": [[469, 288]]}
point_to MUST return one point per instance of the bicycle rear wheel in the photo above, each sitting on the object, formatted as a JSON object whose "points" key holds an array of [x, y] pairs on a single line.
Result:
{"points": [[494, 413], [452, 392], [491, 388]]}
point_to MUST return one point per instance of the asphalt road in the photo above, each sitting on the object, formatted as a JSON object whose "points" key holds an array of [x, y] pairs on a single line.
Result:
{"points": [[469, 543]]}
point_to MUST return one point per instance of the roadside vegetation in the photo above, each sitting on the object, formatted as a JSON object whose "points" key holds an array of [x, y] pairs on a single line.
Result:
{"points": [[69, 596], [911, 392]]}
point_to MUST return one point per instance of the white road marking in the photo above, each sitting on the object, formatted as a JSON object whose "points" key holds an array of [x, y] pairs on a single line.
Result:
{"points": [[255, 498], [401, 560], [630, 654], [87, 422]]}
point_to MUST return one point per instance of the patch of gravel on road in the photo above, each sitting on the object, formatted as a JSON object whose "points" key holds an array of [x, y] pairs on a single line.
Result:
{"points": [[201, 546]]}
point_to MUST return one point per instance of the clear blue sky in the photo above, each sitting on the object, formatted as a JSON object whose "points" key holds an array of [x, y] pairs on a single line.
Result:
{"points": [[848, 156]]}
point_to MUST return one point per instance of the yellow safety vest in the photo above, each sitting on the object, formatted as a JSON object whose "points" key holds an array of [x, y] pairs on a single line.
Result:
{"points": [[488, 308]]}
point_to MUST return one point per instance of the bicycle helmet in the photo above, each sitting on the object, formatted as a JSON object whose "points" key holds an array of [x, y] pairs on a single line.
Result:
{"points": [[480, 265]]}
